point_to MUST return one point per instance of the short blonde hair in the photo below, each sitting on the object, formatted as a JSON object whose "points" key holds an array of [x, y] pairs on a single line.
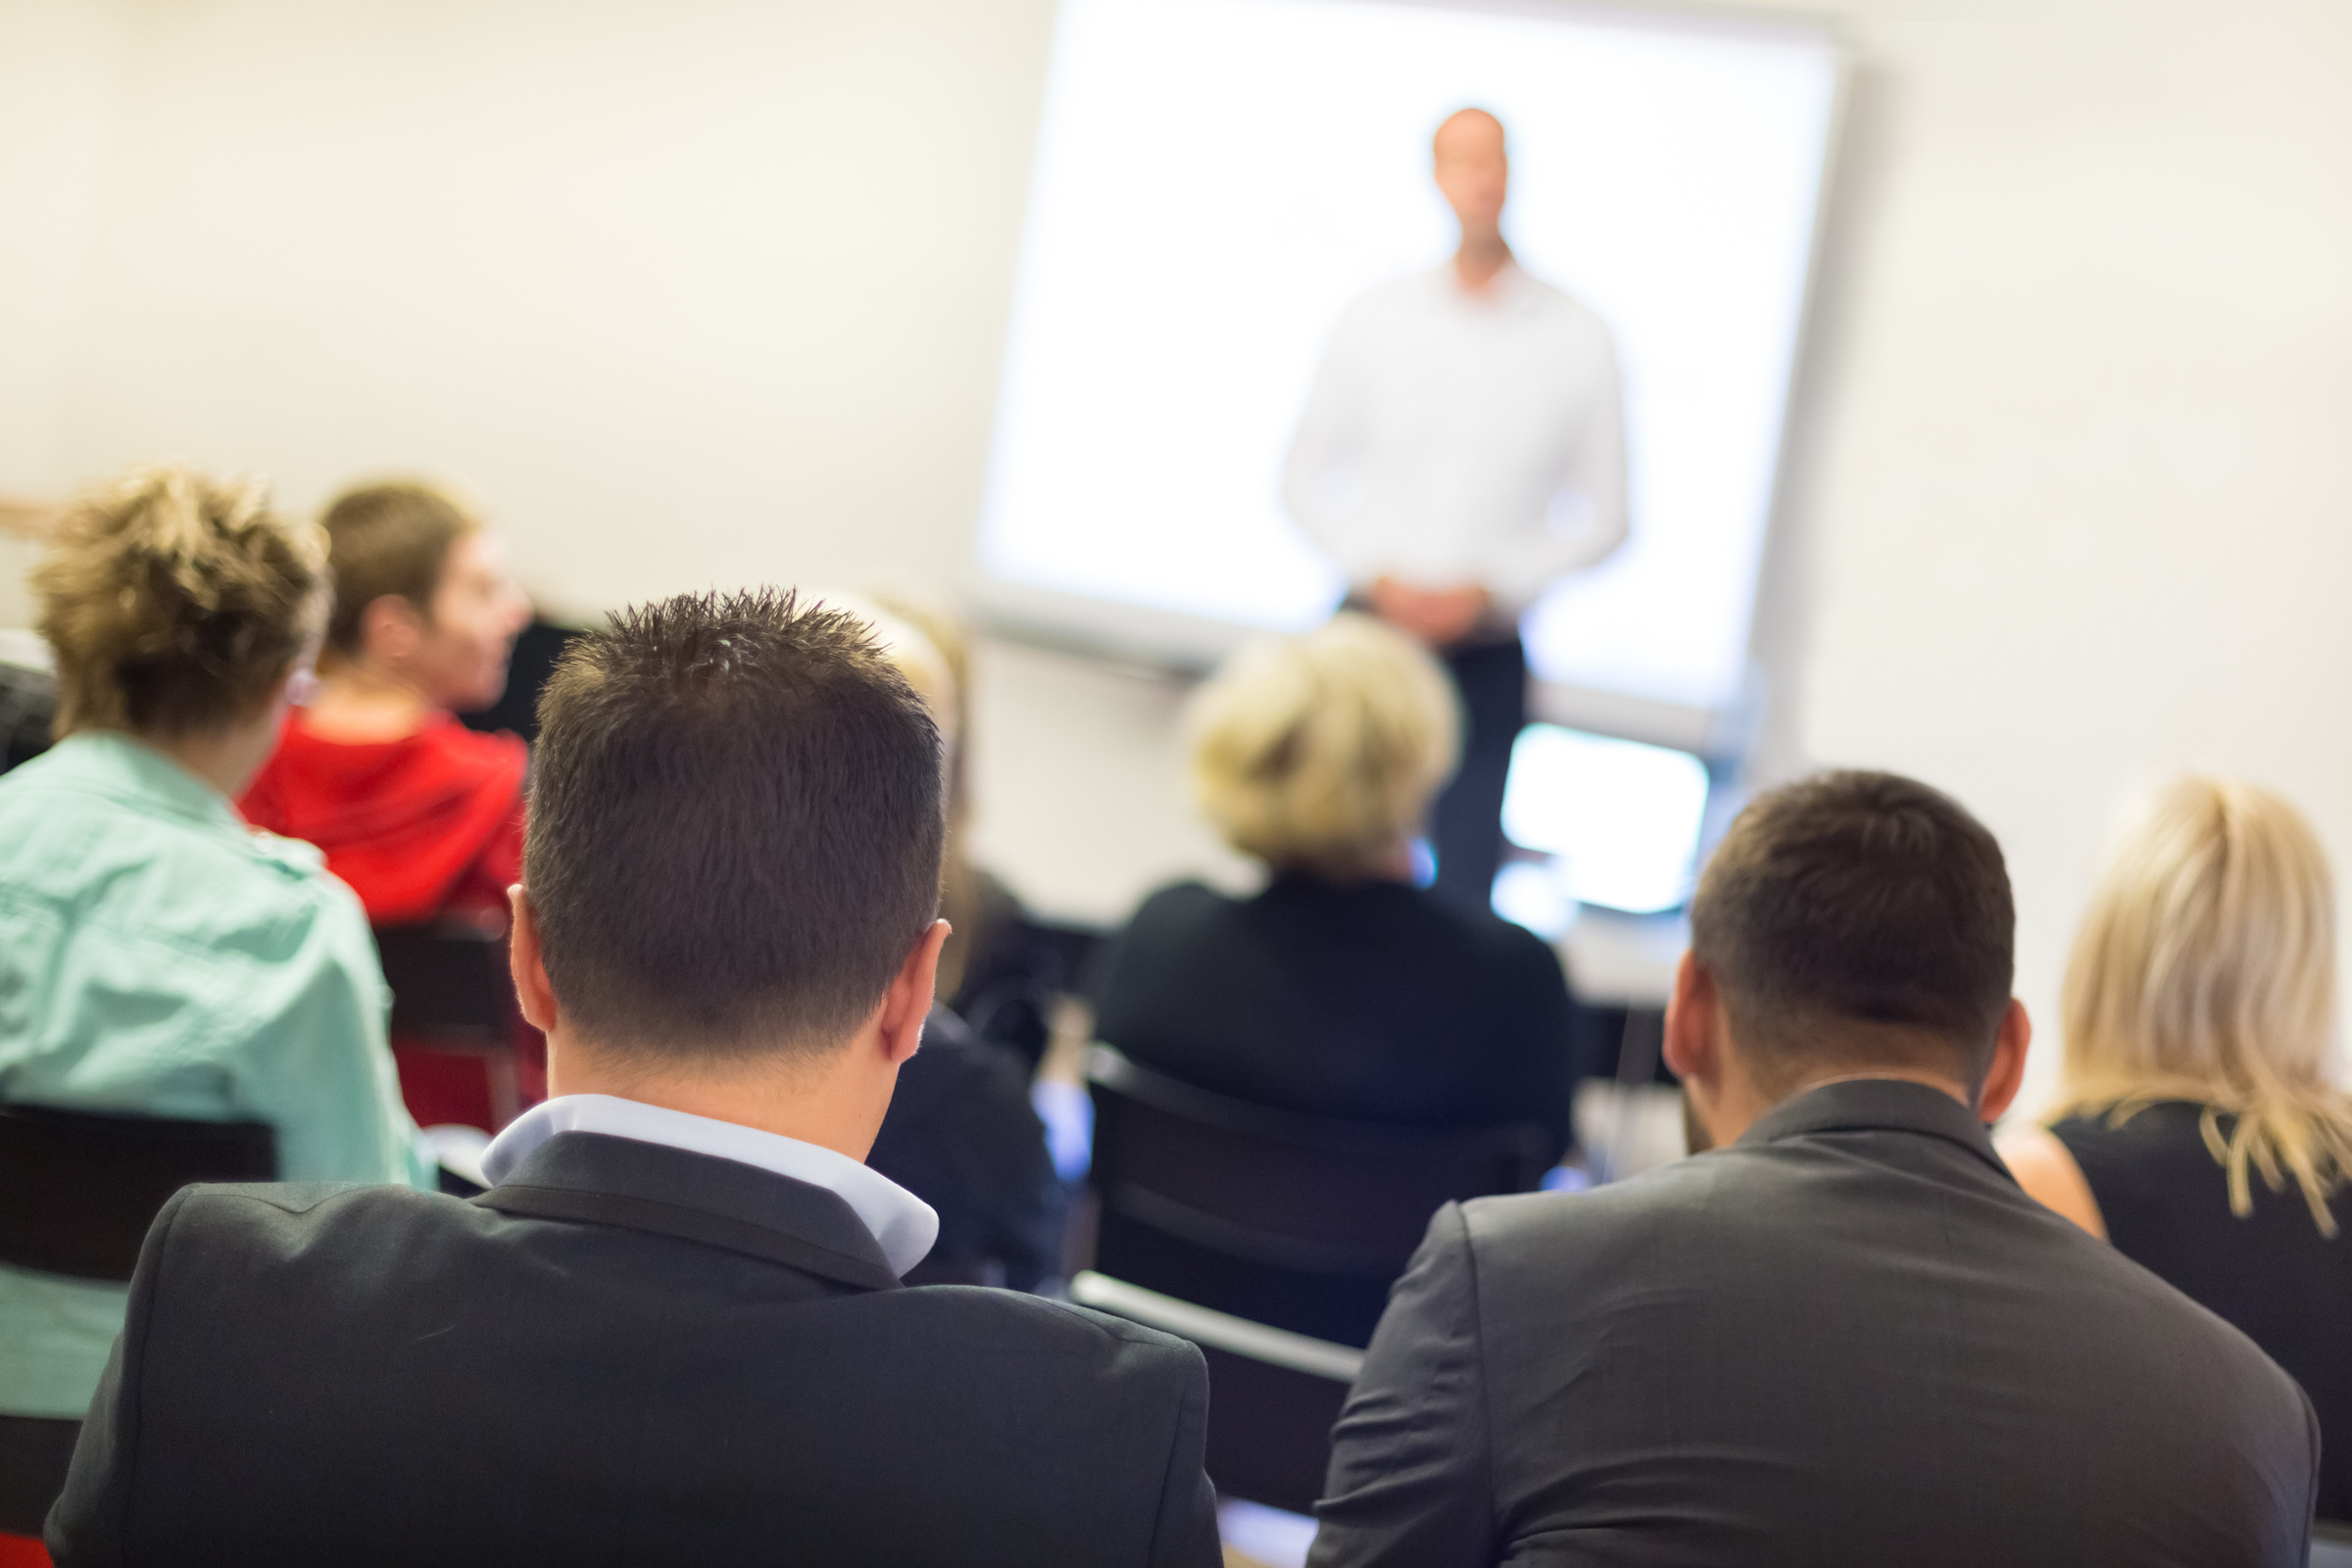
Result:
{"points": [[2205, 969], [1322, 752], [175, 601]]}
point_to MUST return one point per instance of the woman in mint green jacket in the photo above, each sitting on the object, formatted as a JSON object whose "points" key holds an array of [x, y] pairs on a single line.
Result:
{"points": [[157, 955]]}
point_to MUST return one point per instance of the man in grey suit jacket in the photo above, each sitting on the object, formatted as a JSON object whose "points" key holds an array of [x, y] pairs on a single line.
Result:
{"points": [[674, 1328], [1845, 1336]]}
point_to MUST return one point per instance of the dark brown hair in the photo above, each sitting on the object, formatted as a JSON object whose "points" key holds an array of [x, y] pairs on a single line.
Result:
{"points": [[176, 601], [388, 539], [1858, 897], [735, 825]]}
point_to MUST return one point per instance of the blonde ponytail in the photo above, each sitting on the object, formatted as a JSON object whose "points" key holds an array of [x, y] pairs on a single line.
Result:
{"points": [[2205, 970]]}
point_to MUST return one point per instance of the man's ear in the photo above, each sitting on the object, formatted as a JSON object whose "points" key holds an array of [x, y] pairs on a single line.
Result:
{"points": [[390, 628], [532, 991], [908, 1001], [2007, 1073], [1691, 1013]]}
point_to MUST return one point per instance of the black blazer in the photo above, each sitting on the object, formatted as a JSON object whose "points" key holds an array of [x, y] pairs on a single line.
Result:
{"points": [[963, 1137], [624, 1354], [1368, 1002], [2274, 1273], [1848, 1338]]}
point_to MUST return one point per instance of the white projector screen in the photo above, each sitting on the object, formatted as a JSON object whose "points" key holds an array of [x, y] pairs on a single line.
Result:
{"points": [[1216, 180]]}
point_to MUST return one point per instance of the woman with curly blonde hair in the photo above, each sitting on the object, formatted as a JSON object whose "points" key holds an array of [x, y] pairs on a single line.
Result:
{"points": [[2197, 1129], [157, 957]]}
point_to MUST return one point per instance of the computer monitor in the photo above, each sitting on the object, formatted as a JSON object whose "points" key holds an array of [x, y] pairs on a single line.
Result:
{"points": [[1611, 822]]}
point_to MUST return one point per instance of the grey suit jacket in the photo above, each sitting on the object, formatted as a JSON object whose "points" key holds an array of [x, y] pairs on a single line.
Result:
{"points": [[1848, 1338], [624, 1354]]}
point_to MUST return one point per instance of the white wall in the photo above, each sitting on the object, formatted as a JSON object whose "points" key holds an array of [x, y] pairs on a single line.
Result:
{"points": [[57, 65], [711, 293], [690, 292]]}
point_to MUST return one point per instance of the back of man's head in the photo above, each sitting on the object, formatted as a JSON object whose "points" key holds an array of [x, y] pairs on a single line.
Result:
{"points": [[1856, 921], [735, 827]]}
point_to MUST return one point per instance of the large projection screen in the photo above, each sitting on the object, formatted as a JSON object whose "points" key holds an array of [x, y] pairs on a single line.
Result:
{"points": [[1216, 180]]}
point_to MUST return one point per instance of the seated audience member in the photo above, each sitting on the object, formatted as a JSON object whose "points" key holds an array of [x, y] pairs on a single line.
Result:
{"points": [[1342, 988], [961, 1134], [2199, 1009], [1844, 1336], [675, 1326], [999, 972], [423, 816], [158, 957]]}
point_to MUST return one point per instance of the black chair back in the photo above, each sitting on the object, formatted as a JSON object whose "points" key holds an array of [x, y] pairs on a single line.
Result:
{"points": [[450, 991], [1299, 1222], [1273, 1395], [449, 981], [27, 709], [78, 1191]]}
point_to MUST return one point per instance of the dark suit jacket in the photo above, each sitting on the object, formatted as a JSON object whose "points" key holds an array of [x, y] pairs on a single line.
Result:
{"points": [[1848, 1338], [625, 1353], [1363, 1000]]}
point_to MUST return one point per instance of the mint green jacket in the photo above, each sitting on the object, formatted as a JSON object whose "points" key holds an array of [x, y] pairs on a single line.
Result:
{"points": [[159, 956]]}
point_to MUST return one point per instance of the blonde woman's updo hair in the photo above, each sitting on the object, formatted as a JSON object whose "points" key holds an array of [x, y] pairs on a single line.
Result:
{"points": [[1321, 753], [175, 601], [2205, 970]]}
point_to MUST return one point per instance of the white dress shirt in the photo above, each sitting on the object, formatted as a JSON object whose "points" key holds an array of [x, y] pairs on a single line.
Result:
{"points": [[902, 1224], [1455, 438]]}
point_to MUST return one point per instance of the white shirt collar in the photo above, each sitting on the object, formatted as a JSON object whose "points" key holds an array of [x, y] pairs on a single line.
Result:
{"points": [[902, 1224], [1511, 289]]}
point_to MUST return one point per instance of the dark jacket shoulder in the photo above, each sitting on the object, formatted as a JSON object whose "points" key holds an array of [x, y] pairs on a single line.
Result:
{"points": [[1825, 1345], [377, 1375]]}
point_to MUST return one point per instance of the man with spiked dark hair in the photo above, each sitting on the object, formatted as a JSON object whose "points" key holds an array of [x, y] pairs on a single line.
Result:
{"points": [[1841, 1337], [673, 1328]]}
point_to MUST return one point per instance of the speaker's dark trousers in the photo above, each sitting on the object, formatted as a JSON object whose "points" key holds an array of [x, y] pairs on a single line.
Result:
{"points": [[1467, 823]]}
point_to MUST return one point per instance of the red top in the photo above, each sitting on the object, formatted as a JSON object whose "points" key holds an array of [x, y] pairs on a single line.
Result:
{"points": [[423, 826]]}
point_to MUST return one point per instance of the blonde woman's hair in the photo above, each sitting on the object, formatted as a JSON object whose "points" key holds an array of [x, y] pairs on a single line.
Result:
{"points": [[1322, 752], [912, 651], [963, 893], [2205, 970], [175, 601]]}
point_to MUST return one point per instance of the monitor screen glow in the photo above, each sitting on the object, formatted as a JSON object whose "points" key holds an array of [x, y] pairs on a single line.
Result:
{"points": [[1216, 180], [1618, 821]]}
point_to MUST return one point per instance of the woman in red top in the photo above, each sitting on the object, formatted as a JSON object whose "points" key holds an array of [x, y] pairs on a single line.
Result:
{"points": [[423, 816]]}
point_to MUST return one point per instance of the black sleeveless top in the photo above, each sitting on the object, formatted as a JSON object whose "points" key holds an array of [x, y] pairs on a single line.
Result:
{"points": [[2271, 1274]]}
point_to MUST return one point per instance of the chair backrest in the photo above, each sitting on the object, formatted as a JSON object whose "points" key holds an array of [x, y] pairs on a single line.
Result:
{"points": [[448, 982], [78, 1191], [1300, 1222], [27, 706], [1273, 1396]]}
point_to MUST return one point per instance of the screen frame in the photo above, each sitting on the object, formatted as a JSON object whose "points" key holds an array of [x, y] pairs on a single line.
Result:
{"points": [[1185, 645]]}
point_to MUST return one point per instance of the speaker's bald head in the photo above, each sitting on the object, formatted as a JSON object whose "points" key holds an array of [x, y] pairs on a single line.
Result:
{"points": [[1469, 132], [1472, 169]]}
